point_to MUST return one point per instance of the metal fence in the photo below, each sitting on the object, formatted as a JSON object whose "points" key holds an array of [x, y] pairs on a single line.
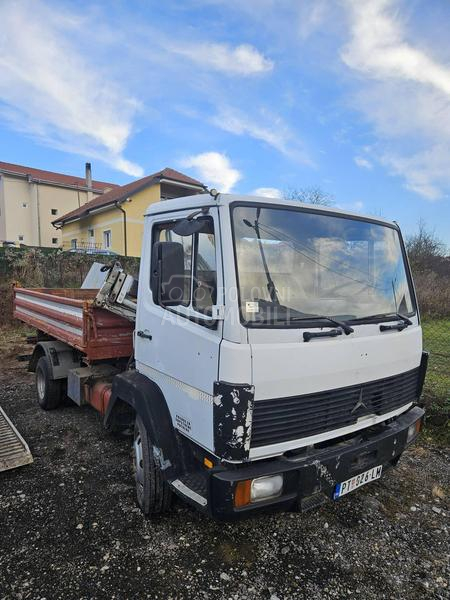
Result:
{"points": [[436, 340], [436, 337], [80, 245]]}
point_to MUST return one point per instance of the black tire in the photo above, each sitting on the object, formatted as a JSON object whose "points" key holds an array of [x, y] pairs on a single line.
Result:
{"points": [[153, 493], [49, 391]]}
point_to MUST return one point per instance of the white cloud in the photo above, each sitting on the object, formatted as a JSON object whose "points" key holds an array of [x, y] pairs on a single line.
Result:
{"points": [[215, 169], [50, 90], [273, 132], [267, 192], [311, 16], [404, 93], [427, 171], [239, 60], [356, 206], [378, 47], [362, 162]]}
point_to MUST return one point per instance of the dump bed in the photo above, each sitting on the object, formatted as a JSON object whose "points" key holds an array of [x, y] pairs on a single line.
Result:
{"points": [[70, 316]]}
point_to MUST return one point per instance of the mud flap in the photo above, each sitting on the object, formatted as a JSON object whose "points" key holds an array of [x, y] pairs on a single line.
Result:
{"points": [[148, 401]]}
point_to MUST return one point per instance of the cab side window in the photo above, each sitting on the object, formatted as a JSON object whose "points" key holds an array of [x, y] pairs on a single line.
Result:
{"points": [[205, 270], [163, 233], [200, 271]]}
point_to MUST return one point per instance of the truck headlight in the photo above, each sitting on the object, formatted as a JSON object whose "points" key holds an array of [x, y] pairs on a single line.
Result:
{"points": [[264, 488], [256, 490]]}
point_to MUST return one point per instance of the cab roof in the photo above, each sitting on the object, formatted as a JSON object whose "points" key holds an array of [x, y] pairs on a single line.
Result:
{"points": [[200, 200]]}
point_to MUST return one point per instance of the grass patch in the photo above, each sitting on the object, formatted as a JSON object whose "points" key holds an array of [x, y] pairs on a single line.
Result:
{"points": [[13, 339], [436, 340]]}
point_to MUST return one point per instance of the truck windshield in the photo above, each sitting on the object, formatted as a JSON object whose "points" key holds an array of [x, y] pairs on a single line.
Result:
{"points": [[295, 264]]}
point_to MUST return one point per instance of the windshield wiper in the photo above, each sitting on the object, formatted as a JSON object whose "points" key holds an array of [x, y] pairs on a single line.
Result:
{"points": [[405, 320], [305, 317], [270, 284], [309, 335], [397, 315], [342, 324]]}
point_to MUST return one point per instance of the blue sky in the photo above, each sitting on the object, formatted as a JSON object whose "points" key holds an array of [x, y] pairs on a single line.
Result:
{"points": [[347, 95]]}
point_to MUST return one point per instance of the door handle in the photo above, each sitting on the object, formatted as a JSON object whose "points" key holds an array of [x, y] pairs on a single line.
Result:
{"points": [[144, 335]]}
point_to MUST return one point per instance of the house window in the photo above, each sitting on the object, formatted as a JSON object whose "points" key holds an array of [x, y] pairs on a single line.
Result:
{"points": [[73, 244], [107, 239], [91, 233], [54, 240], [20, 238], [54, 211], [24, 204]]}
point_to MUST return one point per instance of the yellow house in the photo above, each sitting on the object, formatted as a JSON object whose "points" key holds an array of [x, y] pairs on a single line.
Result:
{"points": [[31, 199], [115, 220]]}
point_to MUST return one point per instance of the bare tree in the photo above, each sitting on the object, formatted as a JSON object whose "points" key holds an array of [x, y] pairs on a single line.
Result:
{"points": [[431, 269], [424, 248], [309, 195]]}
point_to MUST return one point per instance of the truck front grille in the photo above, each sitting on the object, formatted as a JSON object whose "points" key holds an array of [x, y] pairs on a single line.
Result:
{"points": [[285, 419]]}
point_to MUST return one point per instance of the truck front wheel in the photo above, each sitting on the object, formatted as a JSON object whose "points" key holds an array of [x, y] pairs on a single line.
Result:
{"points": [[153, 492], [49, 391]]}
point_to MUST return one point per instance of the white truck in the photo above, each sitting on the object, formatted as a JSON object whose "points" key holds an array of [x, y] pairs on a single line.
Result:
{"points": [[270, 358]]}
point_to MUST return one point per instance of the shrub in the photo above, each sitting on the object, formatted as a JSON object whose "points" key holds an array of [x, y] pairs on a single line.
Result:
{"points": [[41, 267]]}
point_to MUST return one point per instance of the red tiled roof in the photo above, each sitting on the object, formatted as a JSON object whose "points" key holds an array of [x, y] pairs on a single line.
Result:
{"points": [[50, 177], [122, 192]]}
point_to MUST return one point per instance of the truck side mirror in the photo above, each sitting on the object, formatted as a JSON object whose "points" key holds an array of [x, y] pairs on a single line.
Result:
{"points": [[188, 227], [167, 273]]}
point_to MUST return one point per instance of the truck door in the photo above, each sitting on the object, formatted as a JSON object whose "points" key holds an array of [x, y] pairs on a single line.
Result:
{"points": [[178, 346]]}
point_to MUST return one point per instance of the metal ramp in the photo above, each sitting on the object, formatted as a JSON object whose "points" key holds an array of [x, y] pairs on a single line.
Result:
{"points": [[14, 451]]}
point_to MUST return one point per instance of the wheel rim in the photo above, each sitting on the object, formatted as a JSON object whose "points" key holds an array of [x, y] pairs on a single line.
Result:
{"points": [[40, 384], [139, 462]]}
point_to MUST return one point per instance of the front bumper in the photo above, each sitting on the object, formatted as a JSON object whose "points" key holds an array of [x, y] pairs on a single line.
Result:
{"points": [[314, 474]]}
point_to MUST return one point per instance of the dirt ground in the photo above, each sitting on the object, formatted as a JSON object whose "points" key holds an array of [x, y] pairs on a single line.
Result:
{"points": [[70, 528]]}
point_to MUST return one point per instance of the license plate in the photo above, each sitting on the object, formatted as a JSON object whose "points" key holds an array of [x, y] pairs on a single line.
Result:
{"points": [[357, 481]]}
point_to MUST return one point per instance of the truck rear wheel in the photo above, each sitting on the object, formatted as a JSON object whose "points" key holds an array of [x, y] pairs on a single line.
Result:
{"points": [[154, 495], [49, 391]]}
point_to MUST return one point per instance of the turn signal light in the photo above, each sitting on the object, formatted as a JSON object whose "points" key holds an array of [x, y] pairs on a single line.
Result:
{"points": [[242, 494], [413, 430]]}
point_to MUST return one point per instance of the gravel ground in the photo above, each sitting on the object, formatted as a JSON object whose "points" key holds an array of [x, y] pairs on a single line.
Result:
{"points": [[70, 528]]}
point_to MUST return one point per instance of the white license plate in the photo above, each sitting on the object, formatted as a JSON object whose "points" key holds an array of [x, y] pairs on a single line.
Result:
{"points": [[357, 481]]}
